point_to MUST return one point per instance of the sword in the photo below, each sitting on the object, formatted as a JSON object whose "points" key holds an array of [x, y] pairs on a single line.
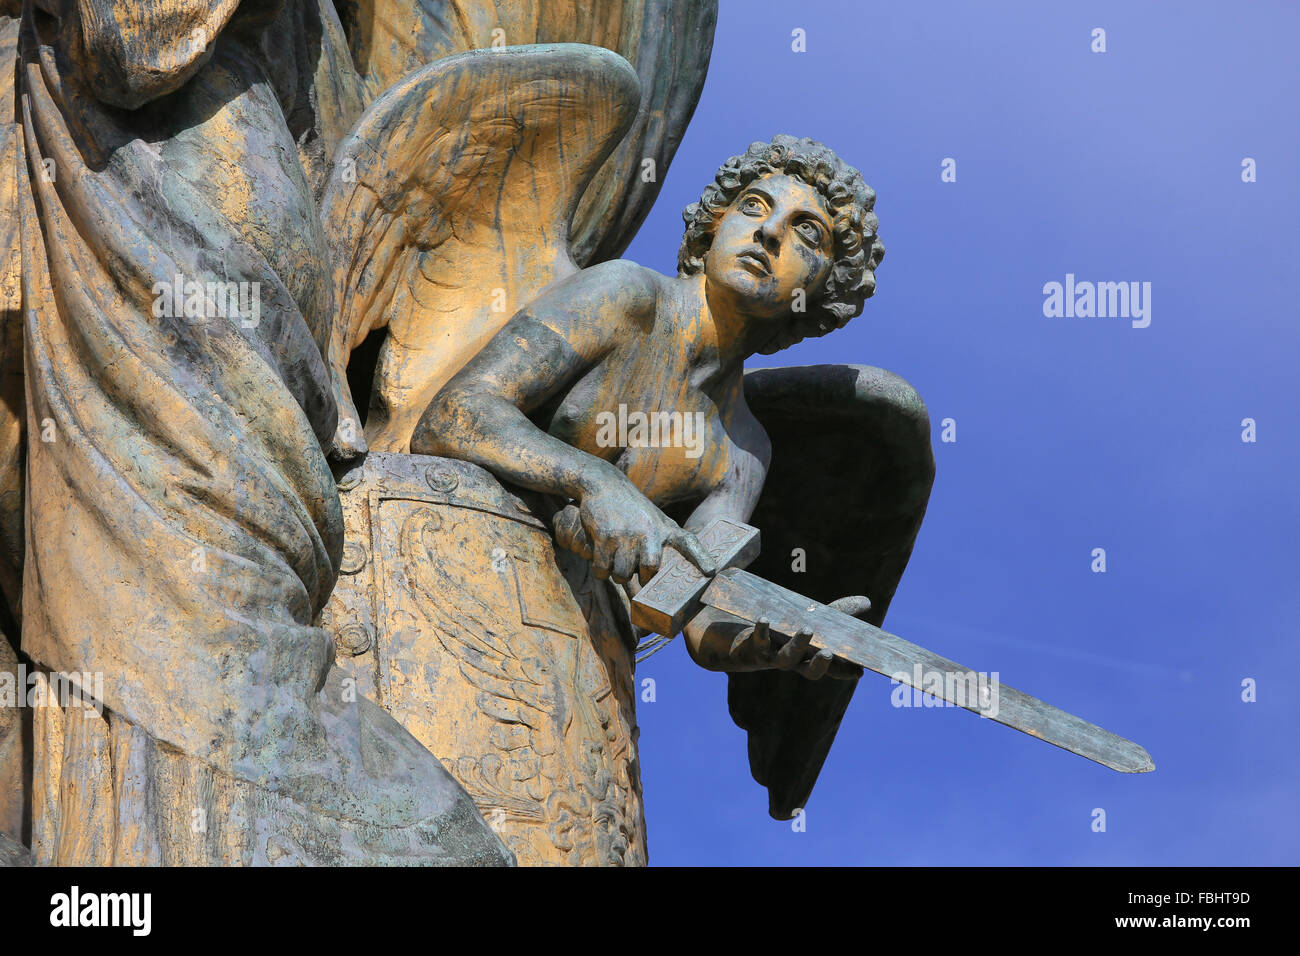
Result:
{"points": [[678, 591]]}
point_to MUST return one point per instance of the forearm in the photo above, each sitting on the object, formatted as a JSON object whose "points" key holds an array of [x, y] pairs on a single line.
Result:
{"points": [[492, 432]]}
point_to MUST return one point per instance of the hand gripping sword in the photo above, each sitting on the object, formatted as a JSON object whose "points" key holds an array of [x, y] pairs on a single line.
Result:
{"points": [[678, 590]]}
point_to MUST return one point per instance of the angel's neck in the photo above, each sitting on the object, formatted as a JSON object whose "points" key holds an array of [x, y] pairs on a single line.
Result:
{"points": [[723, 337]]}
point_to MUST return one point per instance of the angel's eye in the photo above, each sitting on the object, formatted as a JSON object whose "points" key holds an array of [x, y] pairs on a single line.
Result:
{"points": [[810, 232]]}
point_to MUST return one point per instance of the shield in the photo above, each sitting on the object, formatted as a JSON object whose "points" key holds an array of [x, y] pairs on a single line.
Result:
{"points": [[505, 657]]}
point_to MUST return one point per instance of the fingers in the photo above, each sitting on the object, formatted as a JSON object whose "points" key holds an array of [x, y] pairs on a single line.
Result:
{"points": [[792, 654], [759, 646], [817, 668], [625, 562], [841, 669], [754, 642], [652, 554], [690, 548], [602, 559], [857, 605], [569, 532]]}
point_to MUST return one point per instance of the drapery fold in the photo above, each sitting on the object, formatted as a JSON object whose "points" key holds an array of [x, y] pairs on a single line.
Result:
{"points": [[184, 528]]}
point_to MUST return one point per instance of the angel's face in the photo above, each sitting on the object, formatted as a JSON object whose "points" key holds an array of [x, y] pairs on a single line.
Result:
{"points": [[773, 242]]}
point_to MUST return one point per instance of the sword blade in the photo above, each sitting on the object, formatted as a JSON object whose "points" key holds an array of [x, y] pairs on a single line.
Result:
{"points": [[750, 597]]}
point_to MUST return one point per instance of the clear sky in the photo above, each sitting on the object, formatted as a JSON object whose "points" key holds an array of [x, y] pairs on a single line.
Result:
{"points": [[1072, 433]]}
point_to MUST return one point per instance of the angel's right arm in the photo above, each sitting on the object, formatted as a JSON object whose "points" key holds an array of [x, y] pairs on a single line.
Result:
{"points": [[481, 414]]}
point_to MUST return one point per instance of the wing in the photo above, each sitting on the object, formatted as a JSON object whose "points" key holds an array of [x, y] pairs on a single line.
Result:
{"points": [[849, 482], [449, 208], [668, 43]]}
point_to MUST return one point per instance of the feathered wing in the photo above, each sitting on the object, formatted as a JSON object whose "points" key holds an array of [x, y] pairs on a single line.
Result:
{"points": [[668, 43], [449, 208], [849, 483]]}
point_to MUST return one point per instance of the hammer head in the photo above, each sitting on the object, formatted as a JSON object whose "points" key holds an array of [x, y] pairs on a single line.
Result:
{"points": [[672, 597]]}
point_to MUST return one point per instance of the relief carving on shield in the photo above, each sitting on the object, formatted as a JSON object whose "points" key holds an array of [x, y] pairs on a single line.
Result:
{"points": [[454, 612]]}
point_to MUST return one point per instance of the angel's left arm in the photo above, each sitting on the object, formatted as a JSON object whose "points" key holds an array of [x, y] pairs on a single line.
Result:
{"points": [[711, 633], [736, 496]]}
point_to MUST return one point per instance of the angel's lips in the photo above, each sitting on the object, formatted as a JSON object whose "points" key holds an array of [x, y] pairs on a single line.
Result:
{"points": [[756, 261]]}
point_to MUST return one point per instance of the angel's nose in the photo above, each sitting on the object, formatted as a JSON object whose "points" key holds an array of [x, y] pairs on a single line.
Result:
{"points": [[768, 234]]}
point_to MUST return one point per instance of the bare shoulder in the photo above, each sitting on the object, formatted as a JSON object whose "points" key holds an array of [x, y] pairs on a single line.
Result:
{"points": [[631, 286], [599, 305]]}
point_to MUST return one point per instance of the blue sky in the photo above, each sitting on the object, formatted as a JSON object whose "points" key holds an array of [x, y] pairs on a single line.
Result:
{"points": [[1072, 434]]}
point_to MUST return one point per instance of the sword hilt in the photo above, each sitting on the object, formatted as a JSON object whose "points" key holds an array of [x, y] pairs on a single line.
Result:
{"points": [[672, 597]]}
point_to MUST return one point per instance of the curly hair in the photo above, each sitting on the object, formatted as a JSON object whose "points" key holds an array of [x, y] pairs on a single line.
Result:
{"points": [[857, 249]]}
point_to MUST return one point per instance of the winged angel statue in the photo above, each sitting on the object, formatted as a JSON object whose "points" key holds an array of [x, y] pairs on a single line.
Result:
{"points": [[337, 437]]}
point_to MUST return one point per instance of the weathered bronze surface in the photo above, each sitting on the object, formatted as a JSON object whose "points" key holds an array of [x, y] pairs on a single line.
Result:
{"points": [[167, 278], [776, 610], [668, 600], [336, 441]]}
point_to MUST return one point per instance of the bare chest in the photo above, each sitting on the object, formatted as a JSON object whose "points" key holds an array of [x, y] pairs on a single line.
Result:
{"points": [[670, 439]]}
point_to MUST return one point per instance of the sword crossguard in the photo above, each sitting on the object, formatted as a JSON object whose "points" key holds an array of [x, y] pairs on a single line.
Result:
{"points": [[672, 597]]}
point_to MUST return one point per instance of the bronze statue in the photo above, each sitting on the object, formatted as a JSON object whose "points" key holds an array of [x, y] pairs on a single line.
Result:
{"points": [[339, 445], [168, 275], [512, 659]]}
